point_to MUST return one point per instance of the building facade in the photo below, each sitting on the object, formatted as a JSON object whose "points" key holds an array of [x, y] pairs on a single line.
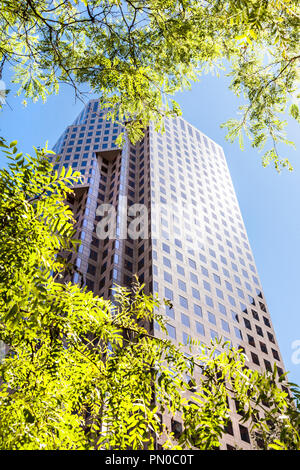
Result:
{"points": [[178, 226]]}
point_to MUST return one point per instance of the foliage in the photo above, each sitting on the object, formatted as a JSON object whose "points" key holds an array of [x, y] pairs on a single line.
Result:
{"points": [[82, 372], [136, 54]]}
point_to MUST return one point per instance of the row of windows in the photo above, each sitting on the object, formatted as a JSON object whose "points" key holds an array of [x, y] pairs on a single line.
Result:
{"points": [[204, 271]]}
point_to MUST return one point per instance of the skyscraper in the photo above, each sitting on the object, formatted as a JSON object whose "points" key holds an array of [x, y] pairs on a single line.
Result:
{"points": [[165, 209]]}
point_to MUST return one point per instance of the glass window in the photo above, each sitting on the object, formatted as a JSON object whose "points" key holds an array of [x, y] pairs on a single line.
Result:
{"points": [[234, 316], [222, 309], [228, 286], [226, 272], [219, 294], [185, 320], [238, 333], [171, 331], [200, 328], [198, 310], [195, 293], [259, 330], [240, 293], [214, 265], [170, 312], [202, 258], [225, 325], [180, 270], [211, 318], [183, 302], [213, 334], [206, 285], [181, 285], [247, 324], [209, 301], [204, 271], [192, 263], [244, 433], [167, 277], [168, 293], [186, 338], [166, 248]]}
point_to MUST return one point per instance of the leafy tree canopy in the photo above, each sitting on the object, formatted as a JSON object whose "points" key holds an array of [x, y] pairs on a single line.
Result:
{"points": [[137, 53], [81, 372]]}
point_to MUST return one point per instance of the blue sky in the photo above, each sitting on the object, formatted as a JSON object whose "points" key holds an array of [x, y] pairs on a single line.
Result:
{"points": [[269, 201]]}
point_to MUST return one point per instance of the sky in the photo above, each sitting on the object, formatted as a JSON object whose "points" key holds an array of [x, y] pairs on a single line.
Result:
{"points": [[269, 202]]}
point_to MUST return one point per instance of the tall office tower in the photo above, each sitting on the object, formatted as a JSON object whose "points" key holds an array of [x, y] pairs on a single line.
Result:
{"points": [[178, 226]]}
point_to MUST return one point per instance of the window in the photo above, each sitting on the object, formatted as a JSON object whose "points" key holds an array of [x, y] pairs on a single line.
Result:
{"points": [[229, 429], [271, 337], [185, 320], [213, 334], [268, 365], [180, 270], [244, 433], [166, 261], [240, 293], [91, 269], [168, 293], [226, 272], [219, 294], [222, 309], [204, 271], [93, 255], [263, 347], [259, 330], [214, 265], [197, 310], [202, 258], [275, 354], [209, 301], [171, 331], [183, 302], [211, 318], [255, 358], [170, 312], [181, 285], [200, 328], [192, 263], [225, 325], [165, 248], [234, 316], [186, 338], [243, 307], [247, 324], [255, 315], [262, 306], [195, 293], [238, 333]]}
